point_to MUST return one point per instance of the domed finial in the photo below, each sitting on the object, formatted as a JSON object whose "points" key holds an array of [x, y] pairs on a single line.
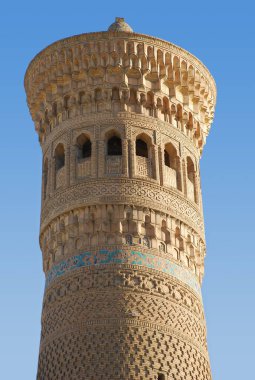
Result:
{"points": [[119, 26]]}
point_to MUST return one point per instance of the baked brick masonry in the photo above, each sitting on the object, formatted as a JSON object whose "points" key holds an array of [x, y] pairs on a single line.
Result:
{"points": [[122, 119]]}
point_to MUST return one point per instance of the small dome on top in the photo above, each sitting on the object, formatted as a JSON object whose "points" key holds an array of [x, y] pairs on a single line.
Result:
{"points": [[119, 26]]}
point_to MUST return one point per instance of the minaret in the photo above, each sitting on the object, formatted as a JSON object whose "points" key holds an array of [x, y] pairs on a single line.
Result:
{"points": [[122, 119]]}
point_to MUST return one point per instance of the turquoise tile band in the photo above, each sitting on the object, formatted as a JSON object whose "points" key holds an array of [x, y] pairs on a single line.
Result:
{"points": [[104, 257]]}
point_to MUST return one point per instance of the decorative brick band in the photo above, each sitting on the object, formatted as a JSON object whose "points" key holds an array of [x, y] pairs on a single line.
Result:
{"points": [[105, 257], [123, 191]]}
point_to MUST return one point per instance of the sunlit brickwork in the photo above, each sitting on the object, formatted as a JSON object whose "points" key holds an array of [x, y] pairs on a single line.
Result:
{"points": [[122, 119]]}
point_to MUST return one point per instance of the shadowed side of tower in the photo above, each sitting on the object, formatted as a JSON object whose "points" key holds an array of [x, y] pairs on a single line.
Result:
{"points": [[122, 119]]}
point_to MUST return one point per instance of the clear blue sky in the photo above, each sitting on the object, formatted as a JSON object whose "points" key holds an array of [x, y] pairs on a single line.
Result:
{"points": [[220, 34]]}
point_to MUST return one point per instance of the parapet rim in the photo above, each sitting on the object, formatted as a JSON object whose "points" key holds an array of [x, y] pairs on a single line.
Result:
{"points": [[77, 38]]}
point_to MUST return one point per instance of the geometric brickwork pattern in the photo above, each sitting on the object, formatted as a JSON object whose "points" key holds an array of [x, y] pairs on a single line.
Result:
{"points": [[149, 195], [83, 229], [122, 119], [106, 257], [84, 302], [78, 304], [122, 352]]}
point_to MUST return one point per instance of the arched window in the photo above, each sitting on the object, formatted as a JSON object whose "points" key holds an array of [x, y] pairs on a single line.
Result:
{"points": [[114, 146], [170, 156], [161, 376], [172, 172], [145, 156], [86, 149], [190, 169], [83, 147], [141, 148], [60, 156]]}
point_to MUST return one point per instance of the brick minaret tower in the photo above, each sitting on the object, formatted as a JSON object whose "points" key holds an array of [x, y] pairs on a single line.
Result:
{"points": [[122, 119]]}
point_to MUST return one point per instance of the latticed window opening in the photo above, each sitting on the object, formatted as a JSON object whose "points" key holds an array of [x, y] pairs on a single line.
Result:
{"points": [[83, 147]]}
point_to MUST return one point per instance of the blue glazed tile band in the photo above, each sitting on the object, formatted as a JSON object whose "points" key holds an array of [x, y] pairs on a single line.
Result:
{"points": [[104, 257]]}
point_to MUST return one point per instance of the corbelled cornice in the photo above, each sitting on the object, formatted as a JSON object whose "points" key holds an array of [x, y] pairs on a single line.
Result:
{"points": [[129, 61]]}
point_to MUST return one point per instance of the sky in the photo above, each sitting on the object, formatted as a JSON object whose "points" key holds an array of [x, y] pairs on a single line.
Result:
{"points": [[221, 35]]}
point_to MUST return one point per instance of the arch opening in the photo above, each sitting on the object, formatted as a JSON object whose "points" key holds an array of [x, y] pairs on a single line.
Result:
{"points": [[114, 146], [142, 148], [83, 147], [172, 173], [144, 156], [59, 166], [60, 156]]}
